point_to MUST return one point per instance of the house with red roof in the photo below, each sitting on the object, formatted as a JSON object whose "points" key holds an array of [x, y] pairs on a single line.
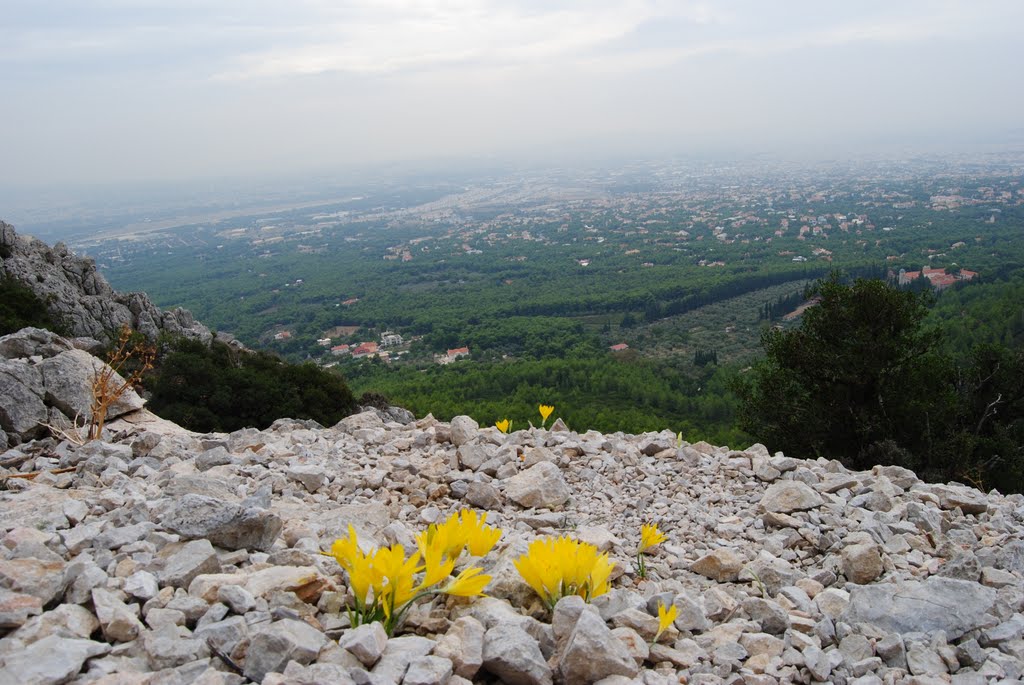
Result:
{"points": [[364, 350], [457, 353]]}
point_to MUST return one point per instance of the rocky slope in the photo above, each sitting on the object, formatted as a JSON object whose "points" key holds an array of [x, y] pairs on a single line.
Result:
{"points": [[81, 298], [165, 557]]}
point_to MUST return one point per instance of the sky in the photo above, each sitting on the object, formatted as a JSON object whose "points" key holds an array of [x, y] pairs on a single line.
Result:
{"points": [[111, 91]]}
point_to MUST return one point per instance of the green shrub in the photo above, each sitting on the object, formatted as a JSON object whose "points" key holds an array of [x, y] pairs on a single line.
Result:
{"points": [[20, 307], [218, 388]]}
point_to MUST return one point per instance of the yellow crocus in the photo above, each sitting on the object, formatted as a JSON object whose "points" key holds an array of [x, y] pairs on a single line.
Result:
{"points": [[649, 537], [557, 567], [470, 583], [398, 573], [346, 550], [504, 425], [545, 412], [600, 577], [438, 566], [665, 618], [363, 577], [479, 537]]}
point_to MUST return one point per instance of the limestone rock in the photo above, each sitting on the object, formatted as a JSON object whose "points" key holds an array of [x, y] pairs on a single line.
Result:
{"points": [[225, 524], [274, 646], [366, 642], [515, 657], [428, 670], [862, 563], [116, 619], [541, 485], [44, 580], [183, 563], [787, 496], [22, 410], [722, 565], [49, 661], [16, 608], [463, 645], [969, 500], [464, 430], [592, 653], [80, 298], [952, 606], [68, 379]]}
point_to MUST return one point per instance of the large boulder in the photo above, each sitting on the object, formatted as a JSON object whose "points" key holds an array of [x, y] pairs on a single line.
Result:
{"points": [[46, 379], [541, 485], [225, 524], [69, 377], [952, 606]]}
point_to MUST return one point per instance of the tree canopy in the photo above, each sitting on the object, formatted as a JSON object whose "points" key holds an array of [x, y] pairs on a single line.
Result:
{"points": [[865, 381]]}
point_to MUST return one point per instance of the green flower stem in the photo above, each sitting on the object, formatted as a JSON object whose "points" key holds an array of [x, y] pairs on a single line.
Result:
{"points": [[396, 617], [641, 567]]}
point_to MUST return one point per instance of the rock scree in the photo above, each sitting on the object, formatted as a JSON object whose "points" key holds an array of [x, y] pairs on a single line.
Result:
{"points": [[164, 556]]}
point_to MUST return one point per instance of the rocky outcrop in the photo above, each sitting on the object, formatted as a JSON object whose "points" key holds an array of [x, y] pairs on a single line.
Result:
{"points": [[47, 379], [81, 299], [170, 557]]}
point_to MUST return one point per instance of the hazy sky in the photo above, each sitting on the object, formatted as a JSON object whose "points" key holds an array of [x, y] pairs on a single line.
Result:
{"points": [[112, 90]]}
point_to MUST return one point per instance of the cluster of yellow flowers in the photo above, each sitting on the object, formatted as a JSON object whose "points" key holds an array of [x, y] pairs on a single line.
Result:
{"points": [[383, 582], [559, 567], [505, 425]]}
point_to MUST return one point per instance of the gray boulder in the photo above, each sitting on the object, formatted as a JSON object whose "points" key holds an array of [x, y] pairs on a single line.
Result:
{"points": [[541, 485], [22, 410], [49, 661], [592, 653], [515, 657], [952, 606], [225, 524]]}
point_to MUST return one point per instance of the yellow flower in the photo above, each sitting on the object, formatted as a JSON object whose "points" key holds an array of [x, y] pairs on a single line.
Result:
{"points": [[398, 573], [558, 567], [649, 537], [462, 530], [480, 538], [600, 577], [469, 583], [362, 578], [438, 566], [545, 412], [665, 618], [346, 550], [504, 425], [383, 583]]}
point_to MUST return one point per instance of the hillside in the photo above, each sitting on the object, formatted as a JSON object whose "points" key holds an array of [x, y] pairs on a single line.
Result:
{"points": [[159, 555]]}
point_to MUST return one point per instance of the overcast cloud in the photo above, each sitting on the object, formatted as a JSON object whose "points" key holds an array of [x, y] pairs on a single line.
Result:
{"points": [[115, 90]]}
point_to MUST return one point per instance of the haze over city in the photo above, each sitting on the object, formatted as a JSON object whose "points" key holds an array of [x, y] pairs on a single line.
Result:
{"points": [[107, 92]]}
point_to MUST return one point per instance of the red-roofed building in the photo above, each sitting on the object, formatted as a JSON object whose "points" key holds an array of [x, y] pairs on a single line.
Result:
{"points": [[966, 275], [908, 276], [619, 348], [942, 281], [338, 350], [365, 349], [458, 352]]}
